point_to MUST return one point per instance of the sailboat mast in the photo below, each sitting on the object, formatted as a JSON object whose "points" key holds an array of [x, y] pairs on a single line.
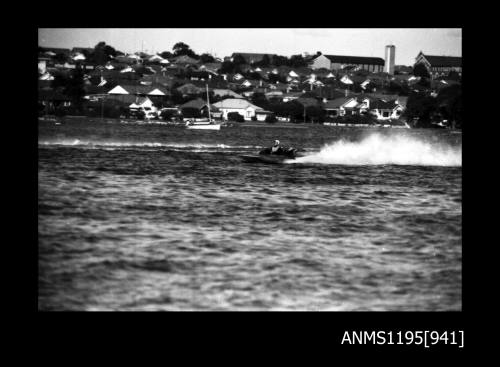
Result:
{"points": [[208, 104]]}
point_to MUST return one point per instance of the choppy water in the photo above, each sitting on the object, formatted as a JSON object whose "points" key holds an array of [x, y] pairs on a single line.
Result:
{"points": [[137, 217]]}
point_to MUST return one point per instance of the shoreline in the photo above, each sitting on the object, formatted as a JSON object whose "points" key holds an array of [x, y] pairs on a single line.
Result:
{"points": [[298, 125]]}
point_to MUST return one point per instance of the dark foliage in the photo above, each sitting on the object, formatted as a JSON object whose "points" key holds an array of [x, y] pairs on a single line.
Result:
{"points": [[235, 116]]}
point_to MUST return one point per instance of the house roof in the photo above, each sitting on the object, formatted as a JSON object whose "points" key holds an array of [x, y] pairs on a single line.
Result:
{"points": [[123, 98], [443, 61], [197, 103], [337, 102], [307, 101], [141, 100], [184, 59], [382, 105], [141, 89], [356, 60], [226, 92], [189, 88], [236, 103], [56, 50]]}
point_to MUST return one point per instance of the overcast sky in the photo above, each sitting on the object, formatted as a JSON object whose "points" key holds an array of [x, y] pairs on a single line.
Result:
{"points": [[284, 41]]}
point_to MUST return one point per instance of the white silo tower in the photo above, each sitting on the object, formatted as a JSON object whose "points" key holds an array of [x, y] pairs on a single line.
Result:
{"points": [[390, 56]]}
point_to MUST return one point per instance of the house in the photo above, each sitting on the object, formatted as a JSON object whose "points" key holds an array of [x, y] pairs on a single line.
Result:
{"points": [[336, 62], [157, 58], [383, 110], [129, 60], [242, 106], [185, 60], [275, 94], [198, 104], [341, 106], [190, 88], [261, 115], [287, 97], [439, 65], [142, 103], [237, 76], [138, 90]]}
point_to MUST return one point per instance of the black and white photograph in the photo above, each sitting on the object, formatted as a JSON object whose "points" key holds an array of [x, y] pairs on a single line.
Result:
{"points": [[250, 169]]}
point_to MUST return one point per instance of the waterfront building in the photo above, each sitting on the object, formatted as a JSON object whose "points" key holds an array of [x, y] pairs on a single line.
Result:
{"points": [[440, 65]]}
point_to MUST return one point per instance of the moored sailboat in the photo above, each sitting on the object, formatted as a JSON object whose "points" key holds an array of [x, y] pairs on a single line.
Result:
{"points": [[209, 124]]}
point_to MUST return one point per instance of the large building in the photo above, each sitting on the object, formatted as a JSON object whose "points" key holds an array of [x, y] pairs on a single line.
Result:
{"points": [[390, 57], [440, 65], [336, 62]]}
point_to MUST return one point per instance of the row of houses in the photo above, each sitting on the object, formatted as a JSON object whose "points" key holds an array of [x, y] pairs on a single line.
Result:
{"points": [[340, 85]]}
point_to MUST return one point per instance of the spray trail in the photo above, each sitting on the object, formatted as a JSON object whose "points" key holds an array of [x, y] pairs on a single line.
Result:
{"points": [[378, 149]]}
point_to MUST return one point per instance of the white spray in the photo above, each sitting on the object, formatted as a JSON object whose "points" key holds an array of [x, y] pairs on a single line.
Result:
{"points": [[378, 149]]}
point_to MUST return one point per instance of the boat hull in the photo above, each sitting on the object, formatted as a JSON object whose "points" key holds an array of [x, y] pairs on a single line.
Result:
{"points": [[267, 159], [204, 127]]}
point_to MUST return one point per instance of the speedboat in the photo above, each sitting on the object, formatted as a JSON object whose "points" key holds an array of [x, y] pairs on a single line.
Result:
{"points": [[265, 156]]}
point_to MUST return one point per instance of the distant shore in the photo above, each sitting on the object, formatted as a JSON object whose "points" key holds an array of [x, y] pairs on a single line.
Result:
{"points": [[292, 125]]}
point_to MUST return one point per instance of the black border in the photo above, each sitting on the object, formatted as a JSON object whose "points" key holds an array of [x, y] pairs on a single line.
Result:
{"points": [[268, 330]]}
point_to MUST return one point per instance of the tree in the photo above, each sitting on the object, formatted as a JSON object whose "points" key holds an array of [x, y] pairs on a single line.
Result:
{"points": [[191, 112], [297, 61], [235, 116], [278, 60], [421, 106], [180, 49], [270, 118], [102, 53], [166, 54], [238, 59], [421, 70], [227, 67], [449, 101], [75, 86], [60, 58], [206, 58], [259, 99], [315, 113], [265, 62]]}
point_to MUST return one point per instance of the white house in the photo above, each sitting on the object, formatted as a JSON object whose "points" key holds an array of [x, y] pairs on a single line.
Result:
{"points": [[261, 115], [246, 83], [383, 110], [321, 62], [128, 69], [142, 102], [156, 58], [346, 80], [341, 106], [242, 106]]}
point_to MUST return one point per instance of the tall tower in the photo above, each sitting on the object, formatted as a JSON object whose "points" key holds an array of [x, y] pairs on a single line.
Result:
{"points": [[390, 55]]}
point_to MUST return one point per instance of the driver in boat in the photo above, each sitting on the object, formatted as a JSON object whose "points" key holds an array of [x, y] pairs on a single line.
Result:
{"points": [[276, 147]]}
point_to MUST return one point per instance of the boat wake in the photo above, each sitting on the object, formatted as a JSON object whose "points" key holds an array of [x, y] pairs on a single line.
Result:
{"points": [[139, 145], [377, 150]]}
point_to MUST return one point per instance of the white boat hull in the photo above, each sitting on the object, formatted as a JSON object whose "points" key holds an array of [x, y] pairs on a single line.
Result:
{"points": [[204, 127]]}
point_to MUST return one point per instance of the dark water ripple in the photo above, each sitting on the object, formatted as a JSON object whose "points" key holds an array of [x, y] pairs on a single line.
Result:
{"points": [[189, 227]]}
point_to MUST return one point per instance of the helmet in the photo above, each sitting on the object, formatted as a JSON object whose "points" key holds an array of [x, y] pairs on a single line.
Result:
{"points": [[276, 142]]}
